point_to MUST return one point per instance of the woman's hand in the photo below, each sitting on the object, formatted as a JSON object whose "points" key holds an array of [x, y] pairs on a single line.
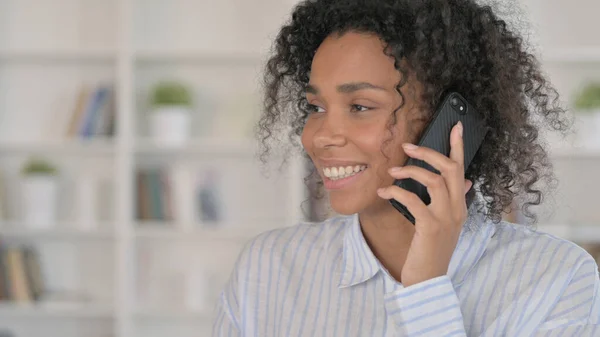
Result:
{"points": [[437, 225]]}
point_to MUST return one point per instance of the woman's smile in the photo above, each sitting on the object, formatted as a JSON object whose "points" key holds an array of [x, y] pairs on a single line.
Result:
{"points": [[341, 177]]}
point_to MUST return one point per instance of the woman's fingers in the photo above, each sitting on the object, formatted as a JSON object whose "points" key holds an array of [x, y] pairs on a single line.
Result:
{"points": [[435, 183], [413, 203], [457, 150], [457, 155], [451, 168]]}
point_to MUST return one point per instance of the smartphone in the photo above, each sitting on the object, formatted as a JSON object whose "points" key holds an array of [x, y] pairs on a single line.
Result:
{"points": [[452, 109]]}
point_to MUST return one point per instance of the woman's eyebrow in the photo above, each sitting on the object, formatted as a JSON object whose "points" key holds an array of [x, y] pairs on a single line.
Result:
{"points": [[356, 86], [346, 88]]}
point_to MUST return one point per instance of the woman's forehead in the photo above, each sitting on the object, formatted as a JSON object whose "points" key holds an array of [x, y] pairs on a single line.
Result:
{"points": [[353, 58]]}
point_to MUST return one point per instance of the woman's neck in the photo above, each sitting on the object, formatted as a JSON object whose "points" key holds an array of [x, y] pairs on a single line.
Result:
{"points": [[389, 235]]}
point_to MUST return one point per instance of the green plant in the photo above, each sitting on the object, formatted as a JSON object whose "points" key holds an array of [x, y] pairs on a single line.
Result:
{"points": [[588, 98], [38, 166], [168, 93]]}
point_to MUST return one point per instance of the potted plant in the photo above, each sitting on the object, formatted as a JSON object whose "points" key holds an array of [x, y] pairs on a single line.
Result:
{"points": [[587, 110], [170, 119], [39, 193]]}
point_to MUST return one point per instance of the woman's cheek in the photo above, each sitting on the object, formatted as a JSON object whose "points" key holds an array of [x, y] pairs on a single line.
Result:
{"points": [[307, 135]]}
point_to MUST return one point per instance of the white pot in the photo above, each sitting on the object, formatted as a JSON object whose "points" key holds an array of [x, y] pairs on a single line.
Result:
{"points": [[588, 128], [39, 201], [170, 125]]}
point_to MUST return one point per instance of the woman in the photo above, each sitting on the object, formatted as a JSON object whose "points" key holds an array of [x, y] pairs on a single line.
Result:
{"points": [[359, 81]]}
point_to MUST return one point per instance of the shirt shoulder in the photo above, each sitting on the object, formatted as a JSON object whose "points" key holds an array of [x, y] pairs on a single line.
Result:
{"points": [[536, 247], [528, 277], [526, 258]]}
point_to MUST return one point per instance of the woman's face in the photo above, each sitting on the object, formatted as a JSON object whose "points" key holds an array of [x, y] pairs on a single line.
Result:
{"points": [[352, 97]]}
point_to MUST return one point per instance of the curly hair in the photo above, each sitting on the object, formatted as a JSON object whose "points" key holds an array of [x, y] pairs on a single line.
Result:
{"points": [[458, 45]]}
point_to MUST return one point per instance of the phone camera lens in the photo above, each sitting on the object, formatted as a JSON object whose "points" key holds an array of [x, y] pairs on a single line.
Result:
{"points": [[454, 101]]}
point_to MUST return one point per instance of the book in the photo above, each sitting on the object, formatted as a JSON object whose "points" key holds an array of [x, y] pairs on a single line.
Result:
{"points": [[18, 280], [93, 113], [154, 199], [21, 279], [78, 111], [33, 273], [4, 278]]}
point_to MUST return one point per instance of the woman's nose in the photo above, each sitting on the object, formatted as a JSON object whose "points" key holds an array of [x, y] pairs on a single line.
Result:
{"points": [[332, 132]]}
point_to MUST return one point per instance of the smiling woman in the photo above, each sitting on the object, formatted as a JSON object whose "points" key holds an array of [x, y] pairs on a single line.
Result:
{"points": [[363, 79]]}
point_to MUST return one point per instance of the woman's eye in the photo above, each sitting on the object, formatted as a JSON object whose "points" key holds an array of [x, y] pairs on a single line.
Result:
{"points": [[314, 108], [359, 108]]}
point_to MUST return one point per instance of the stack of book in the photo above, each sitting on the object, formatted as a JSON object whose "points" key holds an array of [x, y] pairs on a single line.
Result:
{"points": [[154, 195], [93, 114], [21, 278], [172, 196]]}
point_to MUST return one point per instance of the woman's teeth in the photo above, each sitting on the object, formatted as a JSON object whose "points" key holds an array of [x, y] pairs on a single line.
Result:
{"points": [[335, 173]]}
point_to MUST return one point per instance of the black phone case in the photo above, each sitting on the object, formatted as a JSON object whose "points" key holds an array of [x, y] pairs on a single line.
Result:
{"points": [[437, 137]]}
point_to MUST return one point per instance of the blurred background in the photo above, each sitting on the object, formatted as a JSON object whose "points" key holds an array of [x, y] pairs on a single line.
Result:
{"points": [[128, 175]]}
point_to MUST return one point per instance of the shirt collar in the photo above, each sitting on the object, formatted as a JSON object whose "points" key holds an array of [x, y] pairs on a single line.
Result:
{"points": [[359, 264]]}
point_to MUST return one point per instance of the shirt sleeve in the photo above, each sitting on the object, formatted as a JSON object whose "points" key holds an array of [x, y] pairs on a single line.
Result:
{"points": [[432, 308], [429, 308], [577, 312], [225, 323], [227, 316]]}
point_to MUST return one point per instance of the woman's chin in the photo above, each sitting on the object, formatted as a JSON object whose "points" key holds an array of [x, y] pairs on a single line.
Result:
{"points": [[345, 205]]}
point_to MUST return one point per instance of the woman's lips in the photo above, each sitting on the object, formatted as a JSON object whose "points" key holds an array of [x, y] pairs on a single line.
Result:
{"points": [[341, 183]]}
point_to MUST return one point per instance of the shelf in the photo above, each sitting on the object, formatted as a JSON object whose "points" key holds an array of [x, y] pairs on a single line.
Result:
{"points": [[27, 311], [199, 57], [156, 314], [215, 147], [572, 55], [61, 232], [65, 55], [146, 55], [169, 231], [585, 233], [66, 147]]}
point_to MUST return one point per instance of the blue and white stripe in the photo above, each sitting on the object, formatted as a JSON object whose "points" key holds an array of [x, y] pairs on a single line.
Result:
{"points": [[323, 280]]}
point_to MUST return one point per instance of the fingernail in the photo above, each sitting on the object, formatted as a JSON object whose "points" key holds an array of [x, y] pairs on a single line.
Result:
{"points": [[395, 169], [460, 128], [410, 147], [380, 190]]}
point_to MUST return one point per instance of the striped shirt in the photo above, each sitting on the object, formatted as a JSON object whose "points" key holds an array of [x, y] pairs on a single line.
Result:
{"points": [[322, 279]]}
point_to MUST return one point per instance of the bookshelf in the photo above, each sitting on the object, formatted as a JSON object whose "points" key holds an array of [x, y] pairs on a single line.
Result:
{"points": [[65, 231], [199, 57], [60, 147], [57, 56], [40, 312], [121, 262], [199, 147]]}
